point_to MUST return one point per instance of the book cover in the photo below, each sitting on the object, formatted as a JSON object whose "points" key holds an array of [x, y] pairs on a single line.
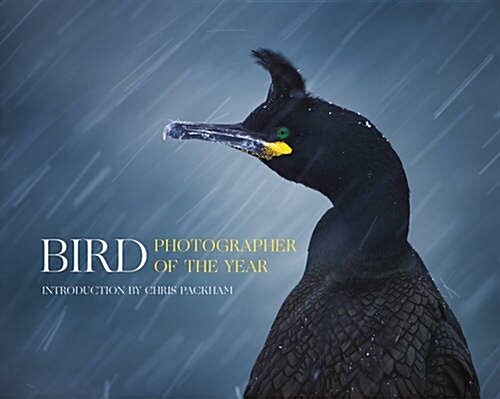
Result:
{"points": [[228, 199]]}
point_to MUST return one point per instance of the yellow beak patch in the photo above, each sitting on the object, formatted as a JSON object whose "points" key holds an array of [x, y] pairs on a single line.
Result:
{"points": [[276, 149]]}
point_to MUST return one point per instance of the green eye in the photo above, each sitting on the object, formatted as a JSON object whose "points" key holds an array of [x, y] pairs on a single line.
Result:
{"points": [[282, 132]]}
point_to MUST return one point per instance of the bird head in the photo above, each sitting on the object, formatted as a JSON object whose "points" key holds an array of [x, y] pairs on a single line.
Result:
{"points": [[302, 138]]}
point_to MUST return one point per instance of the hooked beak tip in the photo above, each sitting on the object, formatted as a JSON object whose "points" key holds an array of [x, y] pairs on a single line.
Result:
{"points": [[172, 130]]}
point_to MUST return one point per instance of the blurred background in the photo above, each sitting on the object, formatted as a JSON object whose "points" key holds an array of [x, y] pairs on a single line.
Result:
{"points": [[86, 88]]}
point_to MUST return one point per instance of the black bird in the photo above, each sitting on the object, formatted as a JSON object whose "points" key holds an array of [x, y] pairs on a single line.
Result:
{"points": [[366, 319]]}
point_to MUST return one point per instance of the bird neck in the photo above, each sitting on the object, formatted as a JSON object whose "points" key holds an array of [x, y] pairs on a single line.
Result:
{"points": [[368, 223]]}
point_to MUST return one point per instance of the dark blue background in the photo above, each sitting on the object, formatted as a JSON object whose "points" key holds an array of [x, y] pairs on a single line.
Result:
{"points": [[86, 90]]}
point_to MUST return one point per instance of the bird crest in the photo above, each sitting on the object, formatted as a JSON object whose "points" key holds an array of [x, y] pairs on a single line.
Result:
{"points": [[286, 80]]}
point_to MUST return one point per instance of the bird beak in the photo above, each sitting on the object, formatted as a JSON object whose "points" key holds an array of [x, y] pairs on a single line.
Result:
{"points": [[235, 136]]}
